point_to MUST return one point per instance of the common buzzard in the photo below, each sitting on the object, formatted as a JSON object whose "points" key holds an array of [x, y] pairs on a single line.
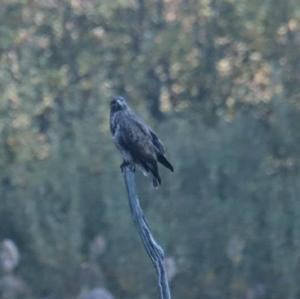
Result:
{"points": [[136, 141]]}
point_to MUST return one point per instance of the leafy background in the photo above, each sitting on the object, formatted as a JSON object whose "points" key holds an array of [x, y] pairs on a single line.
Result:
{"points": [[220, 83]]}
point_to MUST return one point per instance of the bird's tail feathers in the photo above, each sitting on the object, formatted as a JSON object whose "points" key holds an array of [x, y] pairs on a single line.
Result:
{"points": [[151, 167], [156, 181], [163, 160]]}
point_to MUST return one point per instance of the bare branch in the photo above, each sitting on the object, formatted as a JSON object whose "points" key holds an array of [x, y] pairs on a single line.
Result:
{"points": [[153, 249]]}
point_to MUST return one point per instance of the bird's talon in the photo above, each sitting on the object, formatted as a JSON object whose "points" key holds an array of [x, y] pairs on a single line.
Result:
{"points": [[127, 164], [132, 167], [123, 165]]}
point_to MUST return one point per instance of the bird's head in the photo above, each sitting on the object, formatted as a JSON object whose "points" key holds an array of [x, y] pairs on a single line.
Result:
{"points": [[118, 103]]}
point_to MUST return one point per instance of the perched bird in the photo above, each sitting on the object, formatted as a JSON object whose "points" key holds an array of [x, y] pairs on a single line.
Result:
{"points": [[136, 141]]}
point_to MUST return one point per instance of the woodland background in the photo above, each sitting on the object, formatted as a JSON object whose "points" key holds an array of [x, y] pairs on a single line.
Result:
{"points": [[219, 80]]}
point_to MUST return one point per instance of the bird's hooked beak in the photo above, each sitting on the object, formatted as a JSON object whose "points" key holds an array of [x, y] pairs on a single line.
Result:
{"points": [[113, 102], [117, 103]]}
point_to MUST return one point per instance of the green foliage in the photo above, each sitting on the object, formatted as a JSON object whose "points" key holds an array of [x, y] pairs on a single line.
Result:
{"points": [[218, 80]]}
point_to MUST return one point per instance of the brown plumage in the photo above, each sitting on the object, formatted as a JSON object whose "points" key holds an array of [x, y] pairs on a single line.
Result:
{"points": [[136, 141]]}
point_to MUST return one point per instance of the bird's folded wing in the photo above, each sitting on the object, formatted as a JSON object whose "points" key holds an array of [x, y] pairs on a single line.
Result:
{"points": [[150, 134], [136, 138], [157, 143]]}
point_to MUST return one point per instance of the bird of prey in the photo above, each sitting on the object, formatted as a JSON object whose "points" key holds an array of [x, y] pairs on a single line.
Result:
{"points": [[136, 141]]}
